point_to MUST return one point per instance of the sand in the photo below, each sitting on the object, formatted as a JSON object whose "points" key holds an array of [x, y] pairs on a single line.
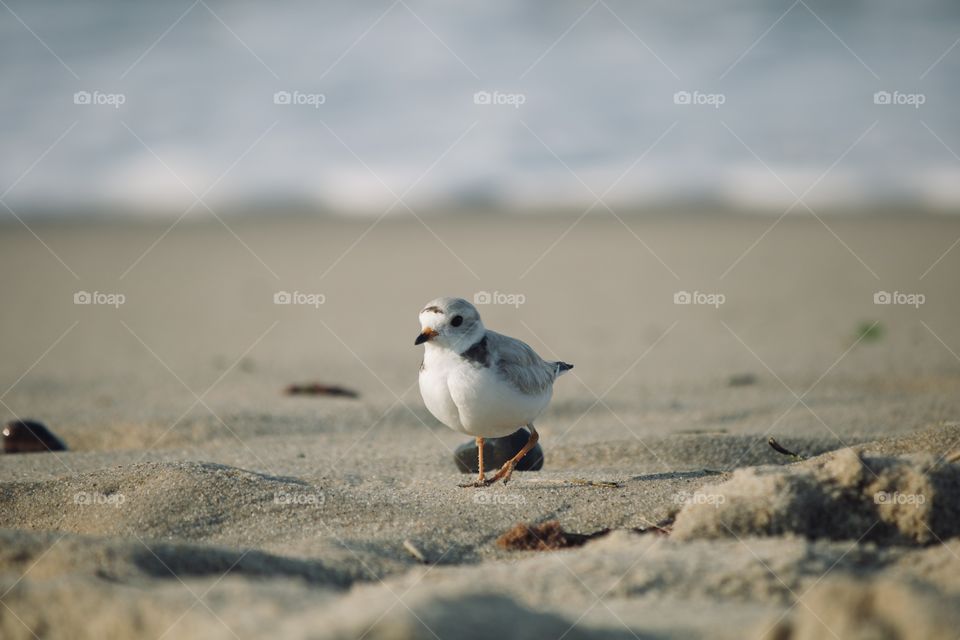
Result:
{"points": [[846, 495], [197, 500]]}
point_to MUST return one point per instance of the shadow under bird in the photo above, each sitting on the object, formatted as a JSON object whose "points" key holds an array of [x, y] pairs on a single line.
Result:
{"points": [[481, 382]]}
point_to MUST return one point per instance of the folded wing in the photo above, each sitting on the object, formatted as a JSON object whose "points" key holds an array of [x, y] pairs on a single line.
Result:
{"points": [[520, 365]]}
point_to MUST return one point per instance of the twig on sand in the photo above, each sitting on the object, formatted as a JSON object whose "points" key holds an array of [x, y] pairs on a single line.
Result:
{"points": [[664, 527], [779, 448], [414, 551], [947, 458], [584, 482]]}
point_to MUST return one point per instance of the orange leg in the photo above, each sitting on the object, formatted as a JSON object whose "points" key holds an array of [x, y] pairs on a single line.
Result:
{"points": [[480, 477], [481, 480], [507, 469]]}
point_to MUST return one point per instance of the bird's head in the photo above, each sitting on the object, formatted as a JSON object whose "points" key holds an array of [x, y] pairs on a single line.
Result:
{"points": [[452, 323]]}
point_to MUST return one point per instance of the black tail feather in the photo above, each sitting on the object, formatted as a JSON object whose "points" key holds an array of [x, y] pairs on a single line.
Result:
{"points": [[563, 367]]}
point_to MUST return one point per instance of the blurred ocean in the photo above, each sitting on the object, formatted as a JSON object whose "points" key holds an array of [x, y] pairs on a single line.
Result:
{"points": [[343, 106]]}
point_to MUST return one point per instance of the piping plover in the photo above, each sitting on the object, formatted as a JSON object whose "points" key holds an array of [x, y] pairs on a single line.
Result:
{"points": [[480, 382]]}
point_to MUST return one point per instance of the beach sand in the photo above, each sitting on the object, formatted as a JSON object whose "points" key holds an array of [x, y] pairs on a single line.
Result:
{"points": [[198, 500]]}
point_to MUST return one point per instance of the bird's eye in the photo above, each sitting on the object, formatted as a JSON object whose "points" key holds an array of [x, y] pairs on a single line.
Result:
{"points": [[457, 321]]}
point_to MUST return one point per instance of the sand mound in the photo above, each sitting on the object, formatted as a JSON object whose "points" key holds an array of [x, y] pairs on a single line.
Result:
{"points": [[129, 560], [847, 495], [83, 587], [68, 586], [467, 614], [88, 609], [938, 565], [88, 588], [854, 609], [187, 500], [85, 609]]}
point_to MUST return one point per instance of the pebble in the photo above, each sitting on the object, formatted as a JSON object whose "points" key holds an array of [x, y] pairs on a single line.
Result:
{"points": [[497, 451], [29, 436], [742, 379]]}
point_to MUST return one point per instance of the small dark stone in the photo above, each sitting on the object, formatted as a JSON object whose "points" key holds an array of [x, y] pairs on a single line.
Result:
{"points": [[317, 389], [497, 451], [28, 436], [742, 379]]}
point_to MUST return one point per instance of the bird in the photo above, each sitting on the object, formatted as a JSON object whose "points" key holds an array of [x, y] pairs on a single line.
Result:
{"points": [[480, 382]]}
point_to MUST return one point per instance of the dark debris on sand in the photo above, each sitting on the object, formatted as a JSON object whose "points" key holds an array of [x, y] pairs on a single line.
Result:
{"points": [[550, 536], [317, 389]]}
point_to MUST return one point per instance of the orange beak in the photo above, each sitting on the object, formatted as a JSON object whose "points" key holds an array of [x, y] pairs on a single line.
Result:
{"points": [[425, 336]]}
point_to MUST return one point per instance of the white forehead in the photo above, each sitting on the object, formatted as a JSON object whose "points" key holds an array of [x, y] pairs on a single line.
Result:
{"points": [[448, 306]]}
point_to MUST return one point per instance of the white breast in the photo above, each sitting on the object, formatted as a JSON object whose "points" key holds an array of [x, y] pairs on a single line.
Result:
{"points": [[438, 364], [473, 399]]}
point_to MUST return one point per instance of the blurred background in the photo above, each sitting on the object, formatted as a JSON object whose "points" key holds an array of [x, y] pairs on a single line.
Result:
{"points": [[337, 107]]}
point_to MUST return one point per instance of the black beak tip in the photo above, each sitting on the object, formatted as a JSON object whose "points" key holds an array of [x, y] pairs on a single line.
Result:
{"points": [[421, 339]]}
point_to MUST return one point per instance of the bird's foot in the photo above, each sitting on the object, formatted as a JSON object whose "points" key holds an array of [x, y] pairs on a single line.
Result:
{"points": [[505, 472]]}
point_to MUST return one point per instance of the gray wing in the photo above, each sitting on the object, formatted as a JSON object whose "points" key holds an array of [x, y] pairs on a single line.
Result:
{"points": [[520, 364]]}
